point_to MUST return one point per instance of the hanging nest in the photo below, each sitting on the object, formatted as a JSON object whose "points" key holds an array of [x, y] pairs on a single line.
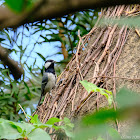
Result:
{"points": [[108, 57]]}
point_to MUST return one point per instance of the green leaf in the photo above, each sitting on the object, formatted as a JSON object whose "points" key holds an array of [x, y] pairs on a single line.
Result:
{"points": [[28, 89], [108, 92], [14, 88], [39, 134], [68, 131], [15, 5], [89, 86], [15, 130], [68, 122], [110, 100], [100, 138], [99, 117], [90, 132], [5, 72], [35, 119], [22, 127], [7, 131], [126, 98], [37, 123], [1, 39], [7, 35], [42, 126], [41, 56], [67, 127], [114, 134], [16, 126], [109, 97], [53, 120], [93, 88]]}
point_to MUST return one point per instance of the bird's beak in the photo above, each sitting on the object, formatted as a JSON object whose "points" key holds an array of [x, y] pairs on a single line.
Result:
{"points": [[54, 62]]}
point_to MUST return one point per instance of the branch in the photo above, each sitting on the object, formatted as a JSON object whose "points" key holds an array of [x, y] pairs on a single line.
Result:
{"points": [[47, 9], [12, 65]]}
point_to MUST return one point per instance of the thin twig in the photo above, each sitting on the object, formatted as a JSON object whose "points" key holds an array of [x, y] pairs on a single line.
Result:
{"points": [[111, 77], [23, 112], [137, 32]]}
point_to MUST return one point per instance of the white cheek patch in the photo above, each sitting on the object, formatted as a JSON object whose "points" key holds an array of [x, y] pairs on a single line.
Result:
{"points": [[47, 64]]}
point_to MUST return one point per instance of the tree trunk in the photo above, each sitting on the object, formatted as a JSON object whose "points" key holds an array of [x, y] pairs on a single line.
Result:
{"points": [[108, 57]]}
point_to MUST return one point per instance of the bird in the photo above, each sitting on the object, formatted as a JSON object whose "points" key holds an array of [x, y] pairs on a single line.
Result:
{"points": [[48, 79]]}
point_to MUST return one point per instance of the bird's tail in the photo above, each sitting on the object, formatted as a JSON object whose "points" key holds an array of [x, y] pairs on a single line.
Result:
{"points": [[39, 100]]}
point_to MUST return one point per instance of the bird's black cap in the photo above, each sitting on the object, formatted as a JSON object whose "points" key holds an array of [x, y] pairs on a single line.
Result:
{"points": [[50, 60]]}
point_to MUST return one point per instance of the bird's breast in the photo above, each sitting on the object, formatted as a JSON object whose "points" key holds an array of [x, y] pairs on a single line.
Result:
{"points": [[51, 82]]}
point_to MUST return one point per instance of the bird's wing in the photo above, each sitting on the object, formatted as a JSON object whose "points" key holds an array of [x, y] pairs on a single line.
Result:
{"points": [[44, 82]]}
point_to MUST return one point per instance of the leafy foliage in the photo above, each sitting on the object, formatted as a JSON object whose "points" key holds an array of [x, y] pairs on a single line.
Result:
{"points": [[67, 127], [93, 88], [93, 126], [21, 130], [32, 131], [65, 30], [26, 45], [17, 92]]}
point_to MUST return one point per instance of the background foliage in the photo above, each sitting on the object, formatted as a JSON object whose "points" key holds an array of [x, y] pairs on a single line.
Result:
{"points": [[31, 45], [97, 125]]}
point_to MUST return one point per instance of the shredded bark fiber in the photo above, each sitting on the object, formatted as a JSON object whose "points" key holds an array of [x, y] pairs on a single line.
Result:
{"points": [[108, 57]]}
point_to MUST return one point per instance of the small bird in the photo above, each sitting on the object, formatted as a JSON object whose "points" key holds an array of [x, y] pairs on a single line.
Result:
{"points": [[49, 78]]}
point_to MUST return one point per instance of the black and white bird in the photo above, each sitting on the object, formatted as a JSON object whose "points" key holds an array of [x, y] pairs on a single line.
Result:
{"points": [[49, 78]]}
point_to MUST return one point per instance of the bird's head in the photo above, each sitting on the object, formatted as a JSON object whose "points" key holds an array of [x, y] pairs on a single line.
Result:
{"points": [[49, 63]]}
